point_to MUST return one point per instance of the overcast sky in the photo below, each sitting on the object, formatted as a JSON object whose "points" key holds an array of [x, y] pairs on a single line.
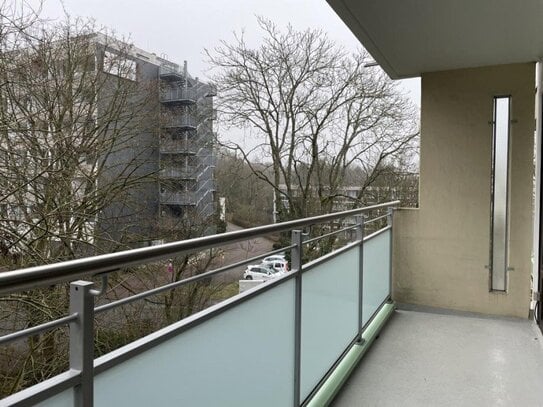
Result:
{"points": [[181, 29]]}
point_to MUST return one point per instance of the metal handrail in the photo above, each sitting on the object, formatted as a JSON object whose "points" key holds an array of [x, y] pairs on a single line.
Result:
{"points": [[376, 218], [185, 120], [170, 95], [170, 69], [127, 300], [23, 333], [335, 232], [32, 277], [83, 309], [177, 284]]}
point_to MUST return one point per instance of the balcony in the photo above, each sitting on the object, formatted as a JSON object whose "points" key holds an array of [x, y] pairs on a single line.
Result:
{"points": [[185, 198], [182, 173], [308, 320], [468, 341], [184, 122], [171, 73], [179, 96], [180, 146], [314, 326]]}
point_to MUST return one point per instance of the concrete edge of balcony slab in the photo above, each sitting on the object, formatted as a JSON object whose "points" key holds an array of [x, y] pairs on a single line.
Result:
{"points": [[339, 376]]}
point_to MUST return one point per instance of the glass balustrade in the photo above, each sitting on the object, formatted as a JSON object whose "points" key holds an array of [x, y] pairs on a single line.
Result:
{"points": [[273, 345]]}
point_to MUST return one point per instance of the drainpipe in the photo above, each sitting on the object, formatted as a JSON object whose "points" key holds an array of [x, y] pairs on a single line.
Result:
{"points": [[537, 201]]}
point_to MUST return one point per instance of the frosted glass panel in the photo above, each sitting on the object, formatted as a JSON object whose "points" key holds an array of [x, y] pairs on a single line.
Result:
{"points": [[329, 315], [63, 399], [244, 357], [376, 273]]}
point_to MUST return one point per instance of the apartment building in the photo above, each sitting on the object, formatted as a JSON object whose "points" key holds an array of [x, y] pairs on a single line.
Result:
{"points": [[177, 147], [82, 174]]}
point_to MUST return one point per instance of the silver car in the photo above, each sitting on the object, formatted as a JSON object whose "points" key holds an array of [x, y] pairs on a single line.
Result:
{"points": [[260, 272]]}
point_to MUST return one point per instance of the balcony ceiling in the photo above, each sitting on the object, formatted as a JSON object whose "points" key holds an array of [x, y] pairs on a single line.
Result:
{"points": [[409, 37]]}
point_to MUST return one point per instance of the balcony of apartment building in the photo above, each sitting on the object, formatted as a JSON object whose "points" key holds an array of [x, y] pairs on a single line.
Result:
{"points": [[180, 198], [183, 122], [185, 172], [290, 330], [182, 134], [172, 72], [177, 95], [305, 331], [179, 146], [433, 308], [184, 142]]}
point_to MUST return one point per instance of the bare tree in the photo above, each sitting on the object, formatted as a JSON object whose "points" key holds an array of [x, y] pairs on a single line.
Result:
{"points": [[249, 200], [314, 112], [72, 178], [70, 111], [134, 320]]}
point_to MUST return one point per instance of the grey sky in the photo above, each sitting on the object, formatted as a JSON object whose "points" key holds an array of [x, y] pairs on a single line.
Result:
{"points": [[181, 29]]}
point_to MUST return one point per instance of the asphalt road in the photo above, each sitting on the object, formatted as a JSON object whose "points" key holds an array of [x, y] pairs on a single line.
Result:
{"points": [[240, 251]]}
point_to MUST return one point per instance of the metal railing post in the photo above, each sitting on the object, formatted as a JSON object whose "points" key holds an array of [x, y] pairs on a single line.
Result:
{"points": [[359, 219], [82, 341], [296, 267], [390, 219]]}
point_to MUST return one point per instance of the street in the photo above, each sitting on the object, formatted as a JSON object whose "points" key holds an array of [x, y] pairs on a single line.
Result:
{"points": [[240, 251]]}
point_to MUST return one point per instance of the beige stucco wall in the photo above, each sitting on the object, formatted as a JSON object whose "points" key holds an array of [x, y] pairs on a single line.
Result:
{"points": [[441, 249]]}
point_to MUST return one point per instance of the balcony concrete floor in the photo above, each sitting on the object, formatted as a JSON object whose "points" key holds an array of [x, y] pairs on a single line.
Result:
{"points": [[435, 359]]}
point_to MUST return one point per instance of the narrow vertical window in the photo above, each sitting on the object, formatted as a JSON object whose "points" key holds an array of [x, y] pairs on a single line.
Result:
{"points": [[499, 234]]}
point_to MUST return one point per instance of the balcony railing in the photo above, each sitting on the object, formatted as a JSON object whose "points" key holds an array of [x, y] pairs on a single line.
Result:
{"points": [[184, 122], [177, 198], [178, 95], [191, 145], [170, 146], [171, 72], [273, 345], [185, 172]]}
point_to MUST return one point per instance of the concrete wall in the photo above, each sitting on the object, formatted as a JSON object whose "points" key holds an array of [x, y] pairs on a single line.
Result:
{"points": [[441, 249]]}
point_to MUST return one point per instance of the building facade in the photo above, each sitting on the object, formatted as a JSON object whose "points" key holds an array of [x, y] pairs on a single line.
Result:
{"points": [[178, 148], [186, 155], [104, 147]]}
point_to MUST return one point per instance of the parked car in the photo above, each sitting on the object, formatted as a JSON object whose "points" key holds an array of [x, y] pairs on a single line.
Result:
{"points": [[278, 265], [260, 272]]}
